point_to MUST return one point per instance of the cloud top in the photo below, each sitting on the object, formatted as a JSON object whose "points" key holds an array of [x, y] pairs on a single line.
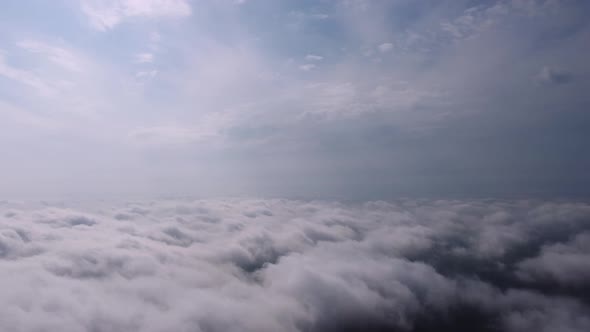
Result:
{"points": [[280, 265]]}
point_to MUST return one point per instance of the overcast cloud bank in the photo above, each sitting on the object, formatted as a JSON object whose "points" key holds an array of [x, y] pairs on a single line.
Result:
{"points": [[283, 265]]}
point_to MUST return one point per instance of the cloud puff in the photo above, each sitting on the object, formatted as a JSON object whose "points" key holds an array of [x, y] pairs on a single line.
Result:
{"points": [[566, 264], [307, 67], [281, 265], [313, 57], [385, 47], [144, 58]]}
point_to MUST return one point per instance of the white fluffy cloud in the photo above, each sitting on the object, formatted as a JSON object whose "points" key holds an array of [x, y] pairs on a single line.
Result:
{"points": [[280, 265]]}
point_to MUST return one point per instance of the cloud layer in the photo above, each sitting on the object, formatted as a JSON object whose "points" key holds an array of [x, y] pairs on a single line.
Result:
{"points": [[283, 265]]}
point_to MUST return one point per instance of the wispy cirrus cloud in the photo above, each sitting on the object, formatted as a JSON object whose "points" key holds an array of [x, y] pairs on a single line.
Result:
{"points": [[105, 15]]}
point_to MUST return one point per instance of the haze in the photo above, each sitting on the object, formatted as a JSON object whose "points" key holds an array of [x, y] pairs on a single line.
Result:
{"points": [[343, 99]]}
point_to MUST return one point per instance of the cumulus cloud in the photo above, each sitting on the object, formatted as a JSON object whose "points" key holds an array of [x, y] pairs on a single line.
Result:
{"points": [[566, 264], [283, 265]]}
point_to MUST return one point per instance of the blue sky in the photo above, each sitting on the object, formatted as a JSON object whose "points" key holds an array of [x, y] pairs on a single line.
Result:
{"points": [[347, 99]]}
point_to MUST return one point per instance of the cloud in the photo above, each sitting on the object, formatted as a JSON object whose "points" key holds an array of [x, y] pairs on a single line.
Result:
{"points": [[58, 55], [431, 116], [284, 265], [385, 47], [144, 58], [304, 16], [26, 77], [147, 74], [105, 15], [178, 134], [564, 264], [307, 67], [164, 134], [313, 57], [550, 75]]}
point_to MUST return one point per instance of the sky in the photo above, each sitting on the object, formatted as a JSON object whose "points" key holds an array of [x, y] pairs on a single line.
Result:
{"points": [[351, 99]]}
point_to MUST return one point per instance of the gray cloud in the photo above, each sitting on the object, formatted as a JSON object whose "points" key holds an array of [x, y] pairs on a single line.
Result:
{"points": [[283, 265], [566, 264], [551, 75]]}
